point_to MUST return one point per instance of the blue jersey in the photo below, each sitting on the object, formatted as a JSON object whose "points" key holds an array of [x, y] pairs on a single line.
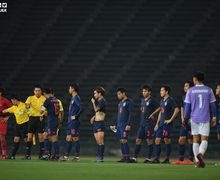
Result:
{"points": [[53, 108], [75, 108], [101, 104], [148, 106], [218, 108], [166, 109], [125, 109]]}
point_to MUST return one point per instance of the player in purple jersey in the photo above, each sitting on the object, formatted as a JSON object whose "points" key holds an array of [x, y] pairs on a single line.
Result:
{"points": [[199, 106]]}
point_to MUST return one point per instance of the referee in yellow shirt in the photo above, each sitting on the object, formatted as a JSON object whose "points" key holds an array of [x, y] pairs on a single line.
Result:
{"points": [[37, 121], [21, 127]]}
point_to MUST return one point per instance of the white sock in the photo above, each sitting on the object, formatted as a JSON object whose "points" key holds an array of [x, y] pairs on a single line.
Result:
{"points": [[196, 150], [203, 147]]}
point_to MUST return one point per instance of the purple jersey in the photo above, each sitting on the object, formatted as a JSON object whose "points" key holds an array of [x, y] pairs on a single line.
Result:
{"points": [[199, 97]]}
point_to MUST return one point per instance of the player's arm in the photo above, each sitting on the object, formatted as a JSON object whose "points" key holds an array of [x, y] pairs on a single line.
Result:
{"points": [[213, 110], [158, 121], [95, 107], [130, 116], [175, 113], [43, 109], [7, 112], [154, 113], [79, 112]]}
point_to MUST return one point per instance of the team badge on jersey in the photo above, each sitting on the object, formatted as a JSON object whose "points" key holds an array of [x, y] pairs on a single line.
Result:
{"points": [[147, 103], [165, 103], [124, 104]]}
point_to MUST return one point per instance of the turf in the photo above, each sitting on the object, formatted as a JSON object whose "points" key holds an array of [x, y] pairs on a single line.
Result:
{"points": [[110, 169]]}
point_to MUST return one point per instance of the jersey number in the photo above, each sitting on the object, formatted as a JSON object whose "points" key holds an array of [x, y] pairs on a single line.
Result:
{"points": [[200, 101]]}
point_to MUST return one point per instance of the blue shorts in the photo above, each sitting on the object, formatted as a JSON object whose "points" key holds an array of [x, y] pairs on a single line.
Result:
{"points": [[164, 131], [121, 133], [98, 126], [145, 132], [51, 129], [73, 129], [218, 131], [186, 131]]}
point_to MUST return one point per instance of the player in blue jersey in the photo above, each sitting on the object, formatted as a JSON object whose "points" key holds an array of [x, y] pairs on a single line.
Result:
{"points": [[149, 108], [98, 121], [168, 112], [218, 111], [51, 108], [123, 125], [185, 130], [73, 125]]}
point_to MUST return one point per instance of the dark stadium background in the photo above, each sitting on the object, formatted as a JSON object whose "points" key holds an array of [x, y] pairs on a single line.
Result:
{"points": [[110, 43]]}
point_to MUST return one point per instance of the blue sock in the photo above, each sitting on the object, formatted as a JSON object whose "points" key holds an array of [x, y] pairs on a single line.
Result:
{"points": [[98, 150], [168, 150], [122, 150], [50, 147], [137, 150], [56, 148], [181, 151], [158, 150], [150, 151], [46, 146], [69, 146], [77, 147], [126, 150], [102, 149], [191, 154]]}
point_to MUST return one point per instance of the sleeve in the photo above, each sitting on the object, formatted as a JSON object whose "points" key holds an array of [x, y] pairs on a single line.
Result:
{"points": [[45, 104], [187, 111], [10, 110], [156, 104], [212, 97], [79, 104], [130, 112], [61, 106], [28, 101], [188, 97], [8, 103], [173, 104]]}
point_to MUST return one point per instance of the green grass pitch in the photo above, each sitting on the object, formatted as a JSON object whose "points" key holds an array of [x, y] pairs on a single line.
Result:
{"points": [[110, 169]]}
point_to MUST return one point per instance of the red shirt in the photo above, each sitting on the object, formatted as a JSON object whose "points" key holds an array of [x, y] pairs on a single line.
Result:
{"points": [[4, 104]]}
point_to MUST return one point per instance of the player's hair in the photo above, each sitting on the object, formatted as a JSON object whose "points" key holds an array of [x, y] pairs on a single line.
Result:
{"points": [[37, 86], [199, 76], [75, 86], [16, 97], [2, 90], [147, 87], [190, 83], [100, 90], [48, 91], [122, 90], [167, 88]]}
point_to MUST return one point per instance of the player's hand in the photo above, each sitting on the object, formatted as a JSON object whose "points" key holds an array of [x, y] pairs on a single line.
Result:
{"points": [[167, 121], [213, 122], [128, 128], [156, 127], [93, 100], [92, 120]]}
